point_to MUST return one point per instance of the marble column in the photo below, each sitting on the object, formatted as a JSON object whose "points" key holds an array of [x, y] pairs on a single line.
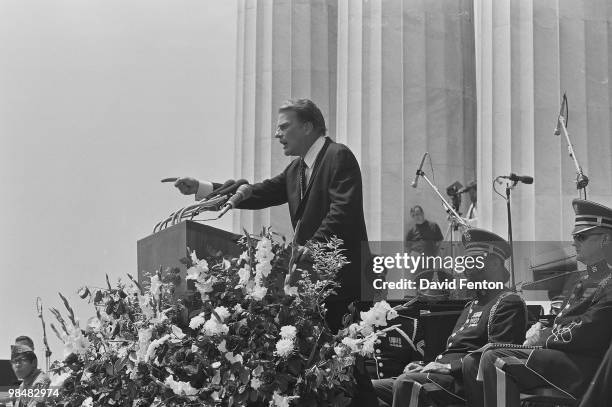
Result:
{"points": [[286, 49], [528, 54], [406, 85]]}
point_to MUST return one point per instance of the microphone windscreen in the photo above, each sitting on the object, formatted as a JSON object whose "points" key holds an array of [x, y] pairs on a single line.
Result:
{"points": [[225, 185]]}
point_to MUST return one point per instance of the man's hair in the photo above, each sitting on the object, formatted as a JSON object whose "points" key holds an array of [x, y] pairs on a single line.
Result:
{"points": [[306, 111], [25, 340], [414, 208]]}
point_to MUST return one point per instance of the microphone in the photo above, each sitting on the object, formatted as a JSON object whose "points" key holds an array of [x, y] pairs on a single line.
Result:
{"points": [[225, 185], [244, 192], [525, 179], [563, 104], [418, 172], [230, 189]]}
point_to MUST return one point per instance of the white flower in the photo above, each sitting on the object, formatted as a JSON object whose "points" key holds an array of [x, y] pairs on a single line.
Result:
{"points": [[214, 327], [263, 268], [146, 306], [255, 383], [244, 274], [238, 309], [178, 332], [352, 343], [281, 401], [205, 286], [233, 358], [244, 256], [223, 313], [288, 332], [144, 339], [94, 324], [199, 269], [353, 329], [180, 388], [88, 402], [258, 292], [75, 342], [292, 291], [155, 286], [154, 345], [193, 273], [197, 321], [222, 346], [339, 350], [368, 345], [194, 257], [392, 314], [57, 380], [284, 347]]}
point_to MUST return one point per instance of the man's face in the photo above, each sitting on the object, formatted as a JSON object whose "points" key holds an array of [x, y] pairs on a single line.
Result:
{"points": [[293, 134], [22, 366], [589, 247], [418, 216]]}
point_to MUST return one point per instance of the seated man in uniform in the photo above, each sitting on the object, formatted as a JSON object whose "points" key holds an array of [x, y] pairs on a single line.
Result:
{"points": [[25, 366], [599, 392], [494, 315], [566, 355]]}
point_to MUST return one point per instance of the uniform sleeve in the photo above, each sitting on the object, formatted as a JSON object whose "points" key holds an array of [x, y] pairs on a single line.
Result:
{"points": [[508, 322], [345, 196], [270, 192], [588, 333]]}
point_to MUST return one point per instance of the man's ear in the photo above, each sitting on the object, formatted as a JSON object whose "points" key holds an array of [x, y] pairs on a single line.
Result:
{"points": [[308, 127]]}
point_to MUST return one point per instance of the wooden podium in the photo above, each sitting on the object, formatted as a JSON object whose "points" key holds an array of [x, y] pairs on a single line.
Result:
{"points": [[166, 247]]}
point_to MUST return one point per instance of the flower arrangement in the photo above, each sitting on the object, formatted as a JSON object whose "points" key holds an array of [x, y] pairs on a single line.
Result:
{"points": [[248, 332]]}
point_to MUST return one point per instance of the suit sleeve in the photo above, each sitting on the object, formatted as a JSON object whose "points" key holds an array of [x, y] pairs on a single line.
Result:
{"points": [[270, 192], [509, 321], [587, 333], [345, 196]]}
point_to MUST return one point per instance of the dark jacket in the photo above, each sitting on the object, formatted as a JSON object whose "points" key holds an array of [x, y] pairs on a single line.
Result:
{"points": [[332, 206]]}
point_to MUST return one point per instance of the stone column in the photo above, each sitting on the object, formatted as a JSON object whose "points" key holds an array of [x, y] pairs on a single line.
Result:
{"points": [[406, 85], [286, 49], [528, 54]]}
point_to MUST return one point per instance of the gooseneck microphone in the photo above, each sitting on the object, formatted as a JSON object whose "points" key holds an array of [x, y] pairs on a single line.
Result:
{"points": [[525, 179], [244, 192], [419, 171]]}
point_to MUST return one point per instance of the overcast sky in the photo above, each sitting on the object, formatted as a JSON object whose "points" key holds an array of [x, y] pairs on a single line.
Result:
{"points": [[99, 100]]}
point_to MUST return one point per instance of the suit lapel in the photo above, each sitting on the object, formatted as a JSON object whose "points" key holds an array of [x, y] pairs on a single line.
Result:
{"points": [[315, 170]]}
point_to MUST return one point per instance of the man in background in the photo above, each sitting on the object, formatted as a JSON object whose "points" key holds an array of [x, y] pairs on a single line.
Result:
{"points": [[424, 237], [25, 366]]}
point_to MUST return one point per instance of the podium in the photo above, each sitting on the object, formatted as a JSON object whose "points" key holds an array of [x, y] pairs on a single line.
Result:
{"points": [[165, 248]]}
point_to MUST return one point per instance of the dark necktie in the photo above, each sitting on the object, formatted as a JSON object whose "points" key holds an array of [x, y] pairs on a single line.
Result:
{"points": [[303, 183]]}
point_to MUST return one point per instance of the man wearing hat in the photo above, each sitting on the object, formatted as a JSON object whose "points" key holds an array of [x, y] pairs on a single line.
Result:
{"points": [[567, 354], [25, 366], [493, 316]]}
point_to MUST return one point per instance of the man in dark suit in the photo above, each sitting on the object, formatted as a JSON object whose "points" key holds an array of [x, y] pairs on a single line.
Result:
{"points": [[324, 192], [566, 355]]}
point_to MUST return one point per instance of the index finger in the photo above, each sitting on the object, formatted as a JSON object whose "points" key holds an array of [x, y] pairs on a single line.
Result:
{"points": [[171, 179]]}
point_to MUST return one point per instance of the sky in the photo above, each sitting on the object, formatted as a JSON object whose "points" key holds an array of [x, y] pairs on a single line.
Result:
{"points": [[99, 100]]}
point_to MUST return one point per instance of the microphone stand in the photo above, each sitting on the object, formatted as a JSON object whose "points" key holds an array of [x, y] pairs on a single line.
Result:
{"points": [[39, 308], [509, 187], [581, 179], [452, 213]]}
